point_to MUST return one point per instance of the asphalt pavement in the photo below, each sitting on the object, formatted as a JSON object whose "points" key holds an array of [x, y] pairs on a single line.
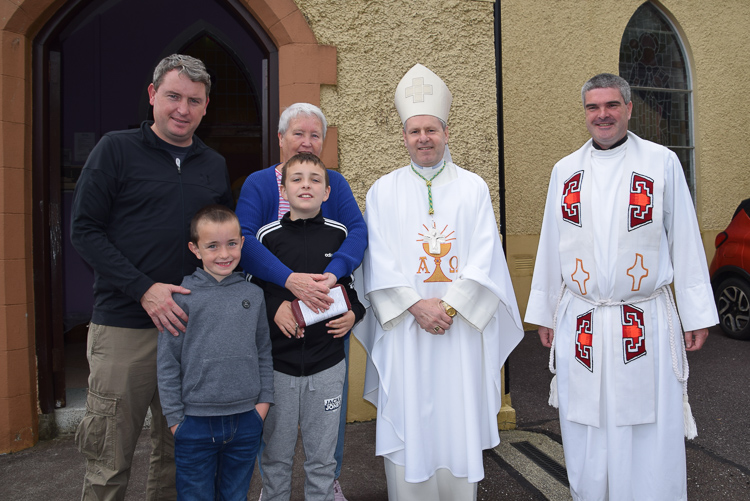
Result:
{"points": [[718, 459], [527, 465]]}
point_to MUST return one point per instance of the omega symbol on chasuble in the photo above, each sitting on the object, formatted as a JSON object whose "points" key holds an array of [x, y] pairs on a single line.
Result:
{"points": [[640, 210], [633, 333], [437, 245], [584, 340], [571, 199]]}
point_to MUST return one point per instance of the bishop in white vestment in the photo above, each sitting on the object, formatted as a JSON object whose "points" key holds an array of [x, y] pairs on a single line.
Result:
{"points": [[445, 315], [619, 227]]}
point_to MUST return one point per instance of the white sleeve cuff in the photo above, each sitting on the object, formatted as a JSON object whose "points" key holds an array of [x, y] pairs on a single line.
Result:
{"points": [[391, 305], [475, 303]]}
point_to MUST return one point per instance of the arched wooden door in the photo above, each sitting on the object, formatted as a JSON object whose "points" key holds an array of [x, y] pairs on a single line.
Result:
{"points": [[93, 62]]}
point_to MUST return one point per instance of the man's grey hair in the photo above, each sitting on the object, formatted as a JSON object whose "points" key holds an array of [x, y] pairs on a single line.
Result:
{"points": [[189, 66], [442, 123], [301, 109], [606, 81]]}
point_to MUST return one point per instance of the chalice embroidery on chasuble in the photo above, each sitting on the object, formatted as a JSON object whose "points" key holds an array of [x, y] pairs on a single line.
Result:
{"points": [[437, 245]]}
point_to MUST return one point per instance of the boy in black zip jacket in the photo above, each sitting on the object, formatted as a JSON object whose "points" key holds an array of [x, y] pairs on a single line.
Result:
{"points": [[308, 363]]}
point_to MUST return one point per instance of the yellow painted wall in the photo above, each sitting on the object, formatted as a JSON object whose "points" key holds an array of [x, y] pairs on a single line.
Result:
{"points": [[549, 51]]}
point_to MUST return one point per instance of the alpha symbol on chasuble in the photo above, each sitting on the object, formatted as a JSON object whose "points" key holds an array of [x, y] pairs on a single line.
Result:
{"points": [[571, 199], [584, 340], [640, 210], [437, 245], [633, 333]]}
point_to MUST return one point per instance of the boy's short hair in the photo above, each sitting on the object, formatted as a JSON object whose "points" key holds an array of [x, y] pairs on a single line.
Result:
{"points": [[303, 157], [213, 214]]}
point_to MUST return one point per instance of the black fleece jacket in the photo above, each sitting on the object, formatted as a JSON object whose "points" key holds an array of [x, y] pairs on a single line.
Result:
{"points": [[305, 246], [132, 208]]}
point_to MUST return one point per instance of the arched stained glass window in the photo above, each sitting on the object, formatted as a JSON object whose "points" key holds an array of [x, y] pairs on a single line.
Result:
{"points": [[653, 61]]}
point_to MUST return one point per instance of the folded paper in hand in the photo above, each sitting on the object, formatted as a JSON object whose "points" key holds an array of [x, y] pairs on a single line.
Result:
{"points": [[304, 316]]}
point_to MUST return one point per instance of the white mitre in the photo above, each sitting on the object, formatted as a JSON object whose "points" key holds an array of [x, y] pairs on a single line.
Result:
{"points": [[421, 92]]}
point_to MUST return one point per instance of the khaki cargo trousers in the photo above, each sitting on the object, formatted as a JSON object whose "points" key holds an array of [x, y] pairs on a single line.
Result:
{"points": [[122, 387]]}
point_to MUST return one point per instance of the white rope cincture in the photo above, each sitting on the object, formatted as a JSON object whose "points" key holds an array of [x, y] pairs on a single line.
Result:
{"points": [[691, 430]]}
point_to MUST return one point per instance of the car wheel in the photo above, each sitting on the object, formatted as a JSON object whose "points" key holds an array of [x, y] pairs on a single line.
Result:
{"points": [[733, 302]]}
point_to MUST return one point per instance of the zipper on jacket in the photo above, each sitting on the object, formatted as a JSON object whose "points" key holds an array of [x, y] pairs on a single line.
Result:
{"points": [[185, 237], [302, 359]]}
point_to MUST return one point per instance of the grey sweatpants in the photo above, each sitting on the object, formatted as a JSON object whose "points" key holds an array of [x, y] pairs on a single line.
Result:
{"points": [[312, 403]]}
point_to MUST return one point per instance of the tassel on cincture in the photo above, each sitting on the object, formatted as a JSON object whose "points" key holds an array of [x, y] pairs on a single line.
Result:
{"points": [[553, 392], [691, 430]]}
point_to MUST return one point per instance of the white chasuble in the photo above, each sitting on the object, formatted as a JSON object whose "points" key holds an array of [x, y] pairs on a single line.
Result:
{"points": [[437, 395]]}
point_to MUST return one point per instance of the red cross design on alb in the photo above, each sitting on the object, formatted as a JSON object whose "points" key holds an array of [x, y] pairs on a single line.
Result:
{"points": [[584, 340], [633, 333], [571, 199], [640, 210]]}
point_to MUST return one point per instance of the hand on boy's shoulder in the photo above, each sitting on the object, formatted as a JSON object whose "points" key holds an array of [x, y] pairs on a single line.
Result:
{"points": [[164, 312]]}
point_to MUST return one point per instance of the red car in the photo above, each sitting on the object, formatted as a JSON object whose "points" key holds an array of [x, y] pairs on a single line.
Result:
{"points": [[730, 274]]}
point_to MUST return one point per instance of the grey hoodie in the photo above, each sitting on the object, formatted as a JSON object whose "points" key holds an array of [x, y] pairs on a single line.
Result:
{"points": [[222, 364]]}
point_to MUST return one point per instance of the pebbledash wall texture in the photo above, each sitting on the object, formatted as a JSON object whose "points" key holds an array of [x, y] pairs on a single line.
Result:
{"points": [[376, 44]]}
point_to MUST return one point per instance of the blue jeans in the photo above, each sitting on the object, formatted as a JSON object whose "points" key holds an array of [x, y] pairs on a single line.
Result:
{"points": [[215, 456]]}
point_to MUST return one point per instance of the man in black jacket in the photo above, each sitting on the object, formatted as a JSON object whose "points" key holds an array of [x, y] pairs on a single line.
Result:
{"points": [[132, 209]]}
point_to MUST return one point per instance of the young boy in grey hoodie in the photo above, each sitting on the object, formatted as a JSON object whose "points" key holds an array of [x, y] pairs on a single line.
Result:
{"points": [[216, 379]]}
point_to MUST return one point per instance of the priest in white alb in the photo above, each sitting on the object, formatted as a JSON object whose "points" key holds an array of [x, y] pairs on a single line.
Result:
{"points": [[620, 227], [445, 315]]}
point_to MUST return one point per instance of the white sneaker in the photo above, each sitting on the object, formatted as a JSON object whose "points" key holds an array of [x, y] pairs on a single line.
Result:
{"points": [[338, 494]]}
